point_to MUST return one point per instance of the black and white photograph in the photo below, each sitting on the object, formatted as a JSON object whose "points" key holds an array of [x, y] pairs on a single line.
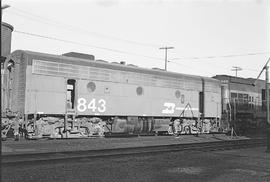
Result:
{"points": [[135, 90]]}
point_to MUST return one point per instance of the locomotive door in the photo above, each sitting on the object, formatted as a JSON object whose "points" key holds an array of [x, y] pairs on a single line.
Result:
{"points": [[71, 96], [202, 100], [201, 104]]}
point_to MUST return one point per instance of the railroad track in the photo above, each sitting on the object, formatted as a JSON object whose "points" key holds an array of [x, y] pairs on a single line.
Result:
{"points": [[15, 159]]}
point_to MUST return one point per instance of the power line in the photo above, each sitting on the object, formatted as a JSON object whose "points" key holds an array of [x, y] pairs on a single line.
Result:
{"points": [[87, 45], [107, 49], [32, 17], [223, 56], [47, 21], [254, 70]]}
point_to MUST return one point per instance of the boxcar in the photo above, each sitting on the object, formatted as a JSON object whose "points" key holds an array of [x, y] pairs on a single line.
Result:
{"points": [[60, 96]]}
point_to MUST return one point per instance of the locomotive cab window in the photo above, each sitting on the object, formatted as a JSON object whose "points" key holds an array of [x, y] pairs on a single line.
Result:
{"points": [[71, 93]]}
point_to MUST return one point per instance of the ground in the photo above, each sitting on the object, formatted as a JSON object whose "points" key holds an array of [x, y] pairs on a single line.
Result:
{"points": [[242, 165]]}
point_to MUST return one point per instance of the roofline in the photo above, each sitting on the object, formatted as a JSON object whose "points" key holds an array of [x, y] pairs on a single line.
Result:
{"points": [[115, 66], [240, 77]]}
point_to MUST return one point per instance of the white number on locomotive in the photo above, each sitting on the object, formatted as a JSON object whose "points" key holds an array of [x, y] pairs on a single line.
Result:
{"points": [[93, 105]]}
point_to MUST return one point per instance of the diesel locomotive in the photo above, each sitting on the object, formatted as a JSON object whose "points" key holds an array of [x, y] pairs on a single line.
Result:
{"points": [[59, 96]]}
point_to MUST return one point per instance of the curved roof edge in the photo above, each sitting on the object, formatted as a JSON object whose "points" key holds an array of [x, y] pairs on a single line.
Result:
{"points": [[8, 26], [116, 66]]}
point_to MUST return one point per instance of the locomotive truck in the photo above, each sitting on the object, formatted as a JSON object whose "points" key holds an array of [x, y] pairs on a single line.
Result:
{"points": [[59, 96]]}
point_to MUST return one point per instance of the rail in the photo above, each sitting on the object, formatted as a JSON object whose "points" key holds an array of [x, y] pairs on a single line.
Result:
{"points": [[15, 159]]}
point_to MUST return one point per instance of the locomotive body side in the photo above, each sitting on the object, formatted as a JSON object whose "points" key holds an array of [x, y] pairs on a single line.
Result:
{"points": [[135, 94], [111, 90], [79, 97]]}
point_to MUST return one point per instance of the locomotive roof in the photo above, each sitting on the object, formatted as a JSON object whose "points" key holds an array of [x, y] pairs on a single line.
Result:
{"points": [[240, 80], [93, 63]]}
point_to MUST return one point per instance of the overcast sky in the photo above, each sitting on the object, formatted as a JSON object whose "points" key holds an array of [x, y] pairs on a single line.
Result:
{"points": [[134, 30]]}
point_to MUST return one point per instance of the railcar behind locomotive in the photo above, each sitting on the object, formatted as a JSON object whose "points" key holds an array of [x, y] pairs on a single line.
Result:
{"points": [[61, 96], [246, 101]]}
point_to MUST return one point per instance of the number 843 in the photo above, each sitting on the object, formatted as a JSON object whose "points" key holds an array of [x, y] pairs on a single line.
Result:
{"points": [[94, 105]]}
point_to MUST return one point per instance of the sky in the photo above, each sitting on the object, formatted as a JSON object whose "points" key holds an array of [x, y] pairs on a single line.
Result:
{"points": [[209, 36]]}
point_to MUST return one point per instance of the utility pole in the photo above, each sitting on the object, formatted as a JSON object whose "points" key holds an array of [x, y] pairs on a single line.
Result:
{"points": [[267, 106], [267, 93], [266, 67], [166, 49], [236, 68]]}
